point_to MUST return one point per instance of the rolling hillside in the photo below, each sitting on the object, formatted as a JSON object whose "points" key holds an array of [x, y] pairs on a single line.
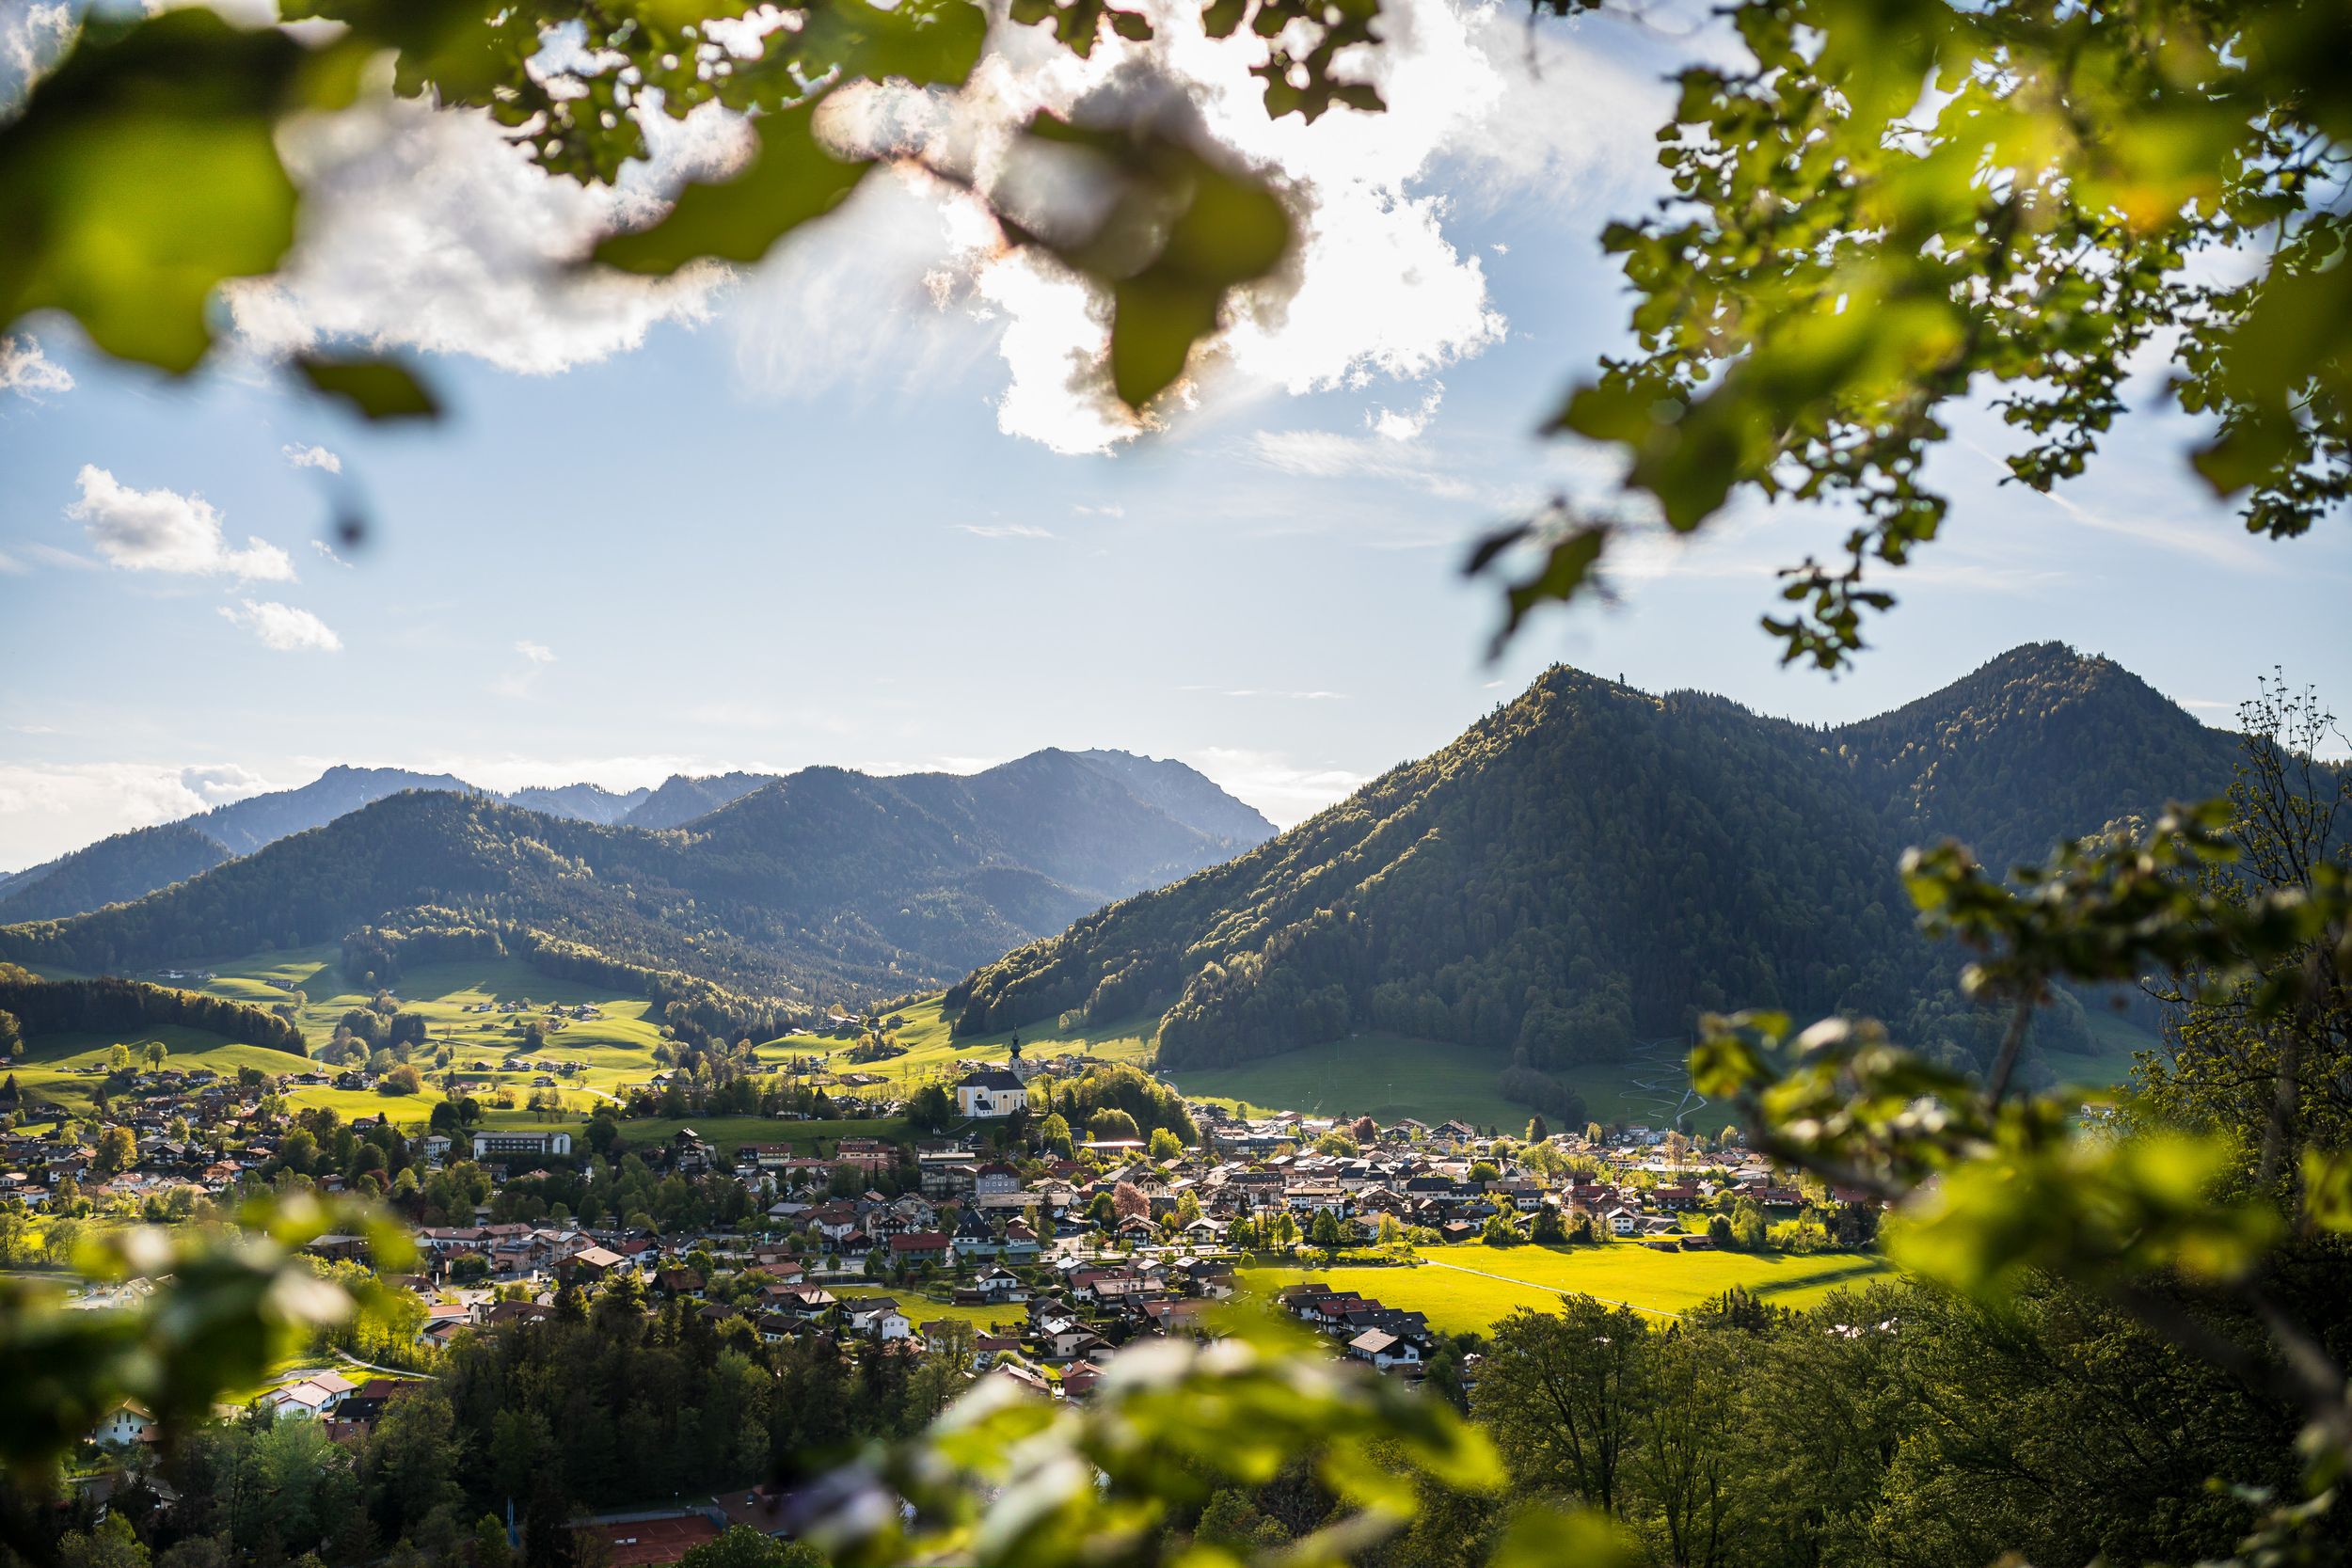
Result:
{"points": [[1590, 866], [130, 865], [822, 884]]}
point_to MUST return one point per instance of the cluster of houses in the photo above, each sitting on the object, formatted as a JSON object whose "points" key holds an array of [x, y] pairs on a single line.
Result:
{"points": [[1053, 1262]]}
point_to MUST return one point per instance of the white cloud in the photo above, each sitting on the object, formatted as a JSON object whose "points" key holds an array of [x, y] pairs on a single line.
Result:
{"points": [[1287, 792], [312, 457], [219, 783], [1390, 425], [861, 297], [162, 531], [282, 627], [1006, 531], [431, 230], [32, 36], [1110, 511], [27, 372], [326, 551], [10, 566], [1377, 459], [1377, 290], [49, 808], [536, 657]]}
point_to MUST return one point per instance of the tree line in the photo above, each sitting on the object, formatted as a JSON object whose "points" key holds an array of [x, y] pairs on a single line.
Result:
{"points": [[111, 1006]]}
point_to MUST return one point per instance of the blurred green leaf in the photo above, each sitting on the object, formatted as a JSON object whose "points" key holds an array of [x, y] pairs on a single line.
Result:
{"points": [[141, 173], [790, 180], [378, 389], [2327, 1189]]}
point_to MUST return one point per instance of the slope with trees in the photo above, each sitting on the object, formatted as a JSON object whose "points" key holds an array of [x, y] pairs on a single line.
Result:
{"points": [[1592, 866], [826, 881]]}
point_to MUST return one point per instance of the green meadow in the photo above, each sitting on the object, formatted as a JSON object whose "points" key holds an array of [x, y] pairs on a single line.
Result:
{"points": [[45, 1068], [1389, 1077], [1469, 1287], [926, 1308]]}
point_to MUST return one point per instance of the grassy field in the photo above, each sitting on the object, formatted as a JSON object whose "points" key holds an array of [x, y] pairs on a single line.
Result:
{"points": [[1384, 1076], [932, 1055], [45, 1068], [1470, 1288], [923, 1308], [1391, 1076]]}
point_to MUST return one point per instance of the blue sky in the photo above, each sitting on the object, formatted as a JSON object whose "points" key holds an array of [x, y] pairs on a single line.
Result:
{"points": [[817, 513]]}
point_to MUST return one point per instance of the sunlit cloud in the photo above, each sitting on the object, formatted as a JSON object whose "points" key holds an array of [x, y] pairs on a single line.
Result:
{"points": [[162, 531], [283, 628]]}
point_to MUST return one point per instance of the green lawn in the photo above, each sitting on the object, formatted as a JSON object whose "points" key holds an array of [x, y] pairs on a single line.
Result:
{"points": [[1470, 1288], [1392, 1076], [923, 1308], [44, 1066]]}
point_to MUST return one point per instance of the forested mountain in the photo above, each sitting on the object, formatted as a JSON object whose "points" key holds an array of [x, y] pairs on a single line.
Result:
{"points": [[132, 865], [2041, 744], [246, 825], [127, 865], [582, 802], [680, 798], [1592, 866], [1184, 794], [823, 883]]}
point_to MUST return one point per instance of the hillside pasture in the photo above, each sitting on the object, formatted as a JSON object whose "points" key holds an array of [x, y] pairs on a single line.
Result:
{"points": [[933, 1056], [46, 1067]]}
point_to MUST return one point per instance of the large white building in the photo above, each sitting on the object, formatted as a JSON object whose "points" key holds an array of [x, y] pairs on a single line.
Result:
{"points": [[991, 1091], [486, 1144]]}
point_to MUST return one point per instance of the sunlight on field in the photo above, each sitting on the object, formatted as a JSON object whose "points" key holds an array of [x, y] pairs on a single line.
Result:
{"points": [[1465, 1288]]}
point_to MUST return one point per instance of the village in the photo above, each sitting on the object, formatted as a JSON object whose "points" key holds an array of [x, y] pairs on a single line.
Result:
{"points": [[1009, 1245]]}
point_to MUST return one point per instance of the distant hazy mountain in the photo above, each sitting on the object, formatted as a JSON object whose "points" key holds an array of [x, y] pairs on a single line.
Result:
{"points": [[680, 798], [129, 865], [1184, 794], [246, 825], [581, 803], [132, 865], [1592, 866], [824, 879]]}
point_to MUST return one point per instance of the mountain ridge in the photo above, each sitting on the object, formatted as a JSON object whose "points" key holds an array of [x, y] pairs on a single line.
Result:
{"points": [[1590, 866], [130, 864], [823, 879]]}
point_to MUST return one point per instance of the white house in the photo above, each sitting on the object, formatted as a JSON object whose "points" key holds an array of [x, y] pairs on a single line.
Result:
{"points": [[1384, 1350], [310, 1398], [991, 1091], [125, 1424], [880, 1316]]}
